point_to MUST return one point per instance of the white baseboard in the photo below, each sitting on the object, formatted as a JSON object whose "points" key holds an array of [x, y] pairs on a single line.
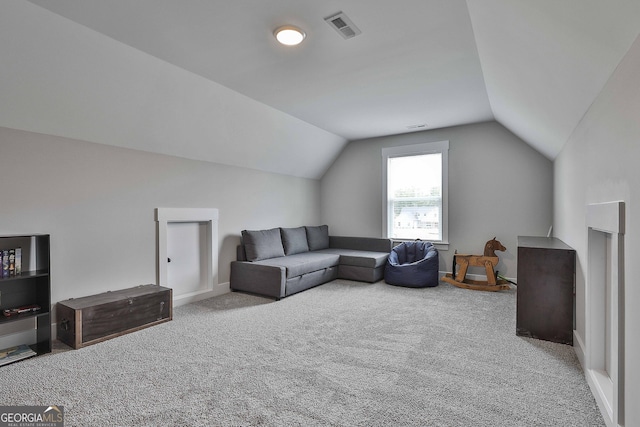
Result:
{"points": [[579, 348], [598, 384], [219, 289], [602, 390]]}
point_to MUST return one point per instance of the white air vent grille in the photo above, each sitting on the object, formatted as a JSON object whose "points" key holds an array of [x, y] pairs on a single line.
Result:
{"points": [[343, 25]]}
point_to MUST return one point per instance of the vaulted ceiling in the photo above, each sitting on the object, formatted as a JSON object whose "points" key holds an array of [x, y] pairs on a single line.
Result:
{"points": [[535, 66]]}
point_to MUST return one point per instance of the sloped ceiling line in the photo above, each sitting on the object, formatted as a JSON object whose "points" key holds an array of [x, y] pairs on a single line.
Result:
{"points": [[533, 65]]}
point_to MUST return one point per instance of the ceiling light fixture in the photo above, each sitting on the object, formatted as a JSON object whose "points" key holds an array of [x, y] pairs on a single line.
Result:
{"points": [[289, 35]]}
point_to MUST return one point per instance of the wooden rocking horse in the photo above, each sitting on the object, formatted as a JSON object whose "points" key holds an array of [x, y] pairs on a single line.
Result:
{"points": [[489, 261]]}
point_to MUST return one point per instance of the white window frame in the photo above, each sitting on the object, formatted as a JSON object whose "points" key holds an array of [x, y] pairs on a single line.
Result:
{"points": [[441, 147]]}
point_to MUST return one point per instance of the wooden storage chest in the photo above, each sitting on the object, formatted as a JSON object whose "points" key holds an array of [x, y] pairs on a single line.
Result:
{"points": [[89, 320]]}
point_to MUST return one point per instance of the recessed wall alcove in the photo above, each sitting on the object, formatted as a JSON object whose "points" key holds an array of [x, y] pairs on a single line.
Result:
{"points": [[604, 305], [190, 232]]}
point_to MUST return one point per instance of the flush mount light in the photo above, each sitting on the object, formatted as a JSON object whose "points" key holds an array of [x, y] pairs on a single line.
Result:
{"points": [[289, 35]]}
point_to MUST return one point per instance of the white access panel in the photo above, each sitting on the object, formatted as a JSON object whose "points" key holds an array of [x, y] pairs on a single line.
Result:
{"points": [[187, 257], [189, 238]]}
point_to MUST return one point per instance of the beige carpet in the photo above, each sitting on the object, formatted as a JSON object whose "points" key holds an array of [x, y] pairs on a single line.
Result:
{"points": [[342, 354]]}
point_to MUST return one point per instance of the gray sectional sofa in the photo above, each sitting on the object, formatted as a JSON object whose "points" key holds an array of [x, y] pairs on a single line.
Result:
{"points": [[283, 261]]}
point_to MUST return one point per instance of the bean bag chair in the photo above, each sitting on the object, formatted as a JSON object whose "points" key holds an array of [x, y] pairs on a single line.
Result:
{"points": [[413, 264]]}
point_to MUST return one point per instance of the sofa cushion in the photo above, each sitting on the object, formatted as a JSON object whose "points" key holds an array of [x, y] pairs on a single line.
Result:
{"points": [[262, 244], [368, 259], [303, 263], [372, 244], [318, 237], [294, 240]]}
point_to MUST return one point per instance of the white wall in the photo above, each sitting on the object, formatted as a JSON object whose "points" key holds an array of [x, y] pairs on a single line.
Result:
{"points": [[599, 163], [80, 118], [97, 202], [60, 78], [498, 186], [93, 110]]}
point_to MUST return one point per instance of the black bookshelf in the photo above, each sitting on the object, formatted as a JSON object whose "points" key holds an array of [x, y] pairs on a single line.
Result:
{"points": [[27, 284]]}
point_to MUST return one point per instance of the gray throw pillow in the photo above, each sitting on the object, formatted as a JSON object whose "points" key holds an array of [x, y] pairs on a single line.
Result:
{"points": [[318, 237], [262, 244], [294, 240]]}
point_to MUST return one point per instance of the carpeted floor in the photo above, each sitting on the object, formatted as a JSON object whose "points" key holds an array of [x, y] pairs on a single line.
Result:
{"points": [[342, 354]]}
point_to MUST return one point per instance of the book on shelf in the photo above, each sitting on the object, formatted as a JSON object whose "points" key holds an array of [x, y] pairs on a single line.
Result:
{"points": [[18, 261], [13, 354], [5, 263], [11, 262]]}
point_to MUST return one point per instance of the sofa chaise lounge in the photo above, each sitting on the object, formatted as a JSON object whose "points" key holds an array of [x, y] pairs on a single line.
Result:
{"points": [[283, 261]]}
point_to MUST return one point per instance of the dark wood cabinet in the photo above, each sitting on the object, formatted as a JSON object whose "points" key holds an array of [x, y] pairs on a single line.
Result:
{"points": [[546, 289], [25, 284], [89, 320]]}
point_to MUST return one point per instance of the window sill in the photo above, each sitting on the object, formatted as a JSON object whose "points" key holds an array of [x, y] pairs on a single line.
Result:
{"points": [[441, 246]]}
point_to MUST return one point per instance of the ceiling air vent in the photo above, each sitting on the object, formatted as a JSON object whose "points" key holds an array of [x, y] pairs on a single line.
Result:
{"points": [[343, 25]]}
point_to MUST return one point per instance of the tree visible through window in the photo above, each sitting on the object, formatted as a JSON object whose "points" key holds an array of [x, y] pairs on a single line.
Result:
{"points": [[415, 202]]}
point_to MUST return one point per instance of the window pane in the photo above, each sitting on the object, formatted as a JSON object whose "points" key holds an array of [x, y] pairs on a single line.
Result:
{"points": [[414, 191]]}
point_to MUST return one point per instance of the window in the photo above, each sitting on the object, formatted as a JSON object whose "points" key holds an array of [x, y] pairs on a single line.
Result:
{"points": [[415, 192]]}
